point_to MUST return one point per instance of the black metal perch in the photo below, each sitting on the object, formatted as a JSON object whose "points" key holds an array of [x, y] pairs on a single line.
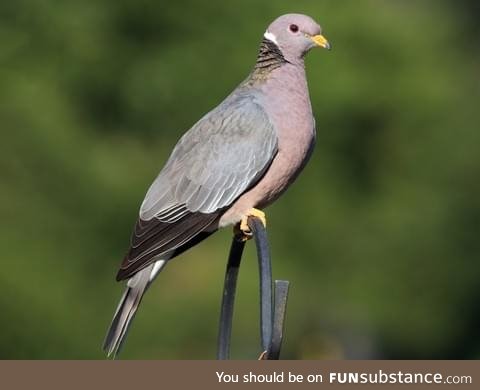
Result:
{"points": [[272, 303]]}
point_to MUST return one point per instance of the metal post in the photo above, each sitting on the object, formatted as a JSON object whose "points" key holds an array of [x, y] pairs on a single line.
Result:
{"points": [[228, 299], [272, 304], [265, 273]]}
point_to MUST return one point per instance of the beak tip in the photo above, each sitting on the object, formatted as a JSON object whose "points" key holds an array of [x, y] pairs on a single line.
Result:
{"points": [[321, 41]]}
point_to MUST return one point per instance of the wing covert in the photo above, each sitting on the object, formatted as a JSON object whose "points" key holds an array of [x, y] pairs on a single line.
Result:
{"points": [[217, 160]]}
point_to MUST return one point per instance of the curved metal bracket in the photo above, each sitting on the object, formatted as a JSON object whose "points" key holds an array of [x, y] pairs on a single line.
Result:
{"points": [[272, 303]]}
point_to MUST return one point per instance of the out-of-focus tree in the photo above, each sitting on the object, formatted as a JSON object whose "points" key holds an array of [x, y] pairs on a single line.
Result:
{"points": [[378, 237]]}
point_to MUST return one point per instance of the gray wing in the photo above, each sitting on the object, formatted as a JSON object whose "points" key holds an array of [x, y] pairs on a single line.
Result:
{"points": [[216, 161]]}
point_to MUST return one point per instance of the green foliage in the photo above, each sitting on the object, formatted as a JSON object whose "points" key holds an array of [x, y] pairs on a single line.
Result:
{"points": [[379, 236]]}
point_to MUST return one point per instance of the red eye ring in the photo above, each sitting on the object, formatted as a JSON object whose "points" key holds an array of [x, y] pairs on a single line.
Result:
{"points": [[293, 28]]}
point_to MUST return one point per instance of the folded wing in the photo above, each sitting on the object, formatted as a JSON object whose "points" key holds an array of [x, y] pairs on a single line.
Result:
{"points": [[215, 162]]}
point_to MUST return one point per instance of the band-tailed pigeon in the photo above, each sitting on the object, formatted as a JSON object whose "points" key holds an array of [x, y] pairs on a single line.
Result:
{"points": [[236, 160]]}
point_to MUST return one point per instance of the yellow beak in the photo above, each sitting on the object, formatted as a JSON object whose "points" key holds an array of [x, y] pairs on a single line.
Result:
{"points": [[321, 41]]}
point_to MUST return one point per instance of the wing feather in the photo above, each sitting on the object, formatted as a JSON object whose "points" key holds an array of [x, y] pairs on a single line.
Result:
{"points": [[215, 162]]}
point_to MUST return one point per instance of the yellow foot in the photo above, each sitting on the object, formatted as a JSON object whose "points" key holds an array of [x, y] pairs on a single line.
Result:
{"points": [[242, 230]]}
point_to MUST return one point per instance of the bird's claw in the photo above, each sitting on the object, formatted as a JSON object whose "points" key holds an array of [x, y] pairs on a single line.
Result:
{"points": [[242, 231]]}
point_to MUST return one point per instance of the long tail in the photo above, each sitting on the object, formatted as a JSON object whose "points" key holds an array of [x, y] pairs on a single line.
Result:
{"points": [[136, 288]]}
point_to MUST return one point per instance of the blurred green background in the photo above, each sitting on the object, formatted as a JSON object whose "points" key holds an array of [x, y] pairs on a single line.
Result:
{"points": [[379, 237]]}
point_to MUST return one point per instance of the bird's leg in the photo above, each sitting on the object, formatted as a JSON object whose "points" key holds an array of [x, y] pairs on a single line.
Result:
{"points": [[242, 230]]}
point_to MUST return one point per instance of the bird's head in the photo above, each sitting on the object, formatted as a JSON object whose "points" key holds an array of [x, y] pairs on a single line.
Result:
{"points": [[295, 35]]}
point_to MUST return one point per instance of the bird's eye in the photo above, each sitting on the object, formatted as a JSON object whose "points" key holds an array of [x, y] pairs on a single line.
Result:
{"points": [[293, 28]]}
